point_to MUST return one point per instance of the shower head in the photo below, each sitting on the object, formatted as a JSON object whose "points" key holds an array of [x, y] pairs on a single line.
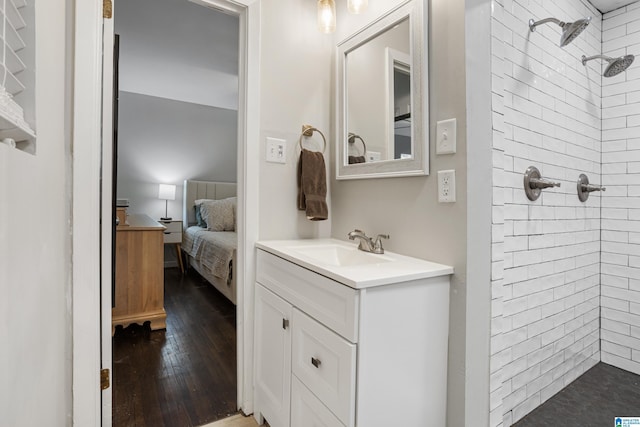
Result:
{"points": [[616, 65], [570, 30]]}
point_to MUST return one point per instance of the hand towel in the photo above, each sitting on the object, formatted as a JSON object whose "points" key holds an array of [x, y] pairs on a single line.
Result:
{"points": [[356, 159], [312, 185]]}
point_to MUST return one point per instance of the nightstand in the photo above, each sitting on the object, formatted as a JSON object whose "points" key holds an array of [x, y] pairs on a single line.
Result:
{"points": [[173, 235]]}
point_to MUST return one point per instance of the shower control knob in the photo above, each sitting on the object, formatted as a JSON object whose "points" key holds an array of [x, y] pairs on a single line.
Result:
{"points": [[584, 188], [534, 183]]}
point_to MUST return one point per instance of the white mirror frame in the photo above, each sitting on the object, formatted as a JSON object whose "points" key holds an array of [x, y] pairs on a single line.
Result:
{"points": [[419, 163]]}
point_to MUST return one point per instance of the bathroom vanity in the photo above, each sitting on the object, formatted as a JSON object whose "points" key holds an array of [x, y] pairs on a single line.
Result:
{"points": [[349, 338]]}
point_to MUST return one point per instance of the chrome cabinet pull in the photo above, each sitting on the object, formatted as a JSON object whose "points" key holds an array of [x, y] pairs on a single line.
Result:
{"points": [[316, 362]]}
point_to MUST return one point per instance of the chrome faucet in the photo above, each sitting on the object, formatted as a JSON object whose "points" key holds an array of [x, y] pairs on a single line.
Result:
{"points": [[367, 244]]}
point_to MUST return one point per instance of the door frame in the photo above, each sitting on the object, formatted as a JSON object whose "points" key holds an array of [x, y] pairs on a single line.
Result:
{"points": [[86, 201]]}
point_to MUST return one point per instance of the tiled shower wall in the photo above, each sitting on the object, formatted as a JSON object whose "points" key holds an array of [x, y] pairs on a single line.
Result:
{"points": [[546, 253], [620, 301]]}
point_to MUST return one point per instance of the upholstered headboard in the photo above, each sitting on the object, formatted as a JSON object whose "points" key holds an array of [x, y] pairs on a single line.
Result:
{"points": [[194, 190]]}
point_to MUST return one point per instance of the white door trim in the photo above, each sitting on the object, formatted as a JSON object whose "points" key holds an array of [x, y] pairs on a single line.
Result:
{"points": [[86, 202], [106, 353], [86, 151]]}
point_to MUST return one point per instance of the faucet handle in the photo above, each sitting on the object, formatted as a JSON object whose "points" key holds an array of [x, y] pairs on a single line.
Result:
{"points": [[377, 245]]}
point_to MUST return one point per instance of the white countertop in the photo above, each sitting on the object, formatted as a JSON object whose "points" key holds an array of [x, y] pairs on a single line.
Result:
{"points": [[392, 268]]}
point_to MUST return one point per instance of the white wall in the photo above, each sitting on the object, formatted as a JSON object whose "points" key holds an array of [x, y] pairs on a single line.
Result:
{"points": [[35, 355], [408, 208], [178, 50], [546, 253], [166, 141], [621, 203], [296, 86]]}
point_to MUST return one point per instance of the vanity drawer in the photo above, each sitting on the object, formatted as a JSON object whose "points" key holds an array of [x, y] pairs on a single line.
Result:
{"points": [[331, 303], [326, 364], [307, 410]]}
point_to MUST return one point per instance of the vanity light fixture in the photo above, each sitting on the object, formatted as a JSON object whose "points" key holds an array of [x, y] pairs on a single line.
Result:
{"points": [[327, 16], [327, 13], [357, 6]]}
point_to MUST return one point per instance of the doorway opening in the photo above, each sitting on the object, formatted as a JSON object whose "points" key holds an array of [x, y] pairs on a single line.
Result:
{"points": [[177, 116]]}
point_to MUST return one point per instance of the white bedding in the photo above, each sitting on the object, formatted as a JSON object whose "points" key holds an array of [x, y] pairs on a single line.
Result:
{"points": [[214, 250]]}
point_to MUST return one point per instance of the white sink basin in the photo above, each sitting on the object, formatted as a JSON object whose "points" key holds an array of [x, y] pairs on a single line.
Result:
{"points": [[339, 255], [344, 262]]}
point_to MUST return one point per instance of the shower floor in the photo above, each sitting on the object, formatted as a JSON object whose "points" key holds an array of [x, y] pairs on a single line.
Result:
{"points": [[594, 399]]}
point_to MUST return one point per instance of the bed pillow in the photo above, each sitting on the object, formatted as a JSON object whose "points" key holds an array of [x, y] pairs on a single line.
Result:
{"points": [[218, 214], [200, 222]]}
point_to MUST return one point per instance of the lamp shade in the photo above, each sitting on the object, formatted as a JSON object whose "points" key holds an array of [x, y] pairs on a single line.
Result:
{"points": [[167, 192]]}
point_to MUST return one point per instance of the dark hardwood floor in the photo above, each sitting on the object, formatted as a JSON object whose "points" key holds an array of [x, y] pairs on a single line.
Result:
{"points": [[186, 375]]}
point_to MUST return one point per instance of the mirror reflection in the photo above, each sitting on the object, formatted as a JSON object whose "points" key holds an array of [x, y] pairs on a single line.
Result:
{"points": [[378, 97]]}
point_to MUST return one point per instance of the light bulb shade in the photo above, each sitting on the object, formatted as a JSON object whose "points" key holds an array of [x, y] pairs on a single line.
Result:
{"points": [[357, 6], [167, 192], [327, 16]]}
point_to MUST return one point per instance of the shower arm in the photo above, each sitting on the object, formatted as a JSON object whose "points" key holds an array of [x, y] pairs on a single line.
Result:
{"points": [[605, 57], [533, 24]]}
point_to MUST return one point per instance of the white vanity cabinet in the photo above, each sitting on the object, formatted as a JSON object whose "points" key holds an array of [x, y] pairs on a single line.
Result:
{"points": [[329, 354]]}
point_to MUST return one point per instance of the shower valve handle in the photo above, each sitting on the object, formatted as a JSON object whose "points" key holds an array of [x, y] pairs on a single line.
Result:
{"points": [[541, 183], [591, 187]]}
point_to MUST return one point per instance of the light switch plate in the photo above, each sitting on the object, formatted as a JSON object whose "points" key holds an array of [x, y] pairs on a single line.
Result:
{"points": [[276, 150], [446, 136], [447, 186]]}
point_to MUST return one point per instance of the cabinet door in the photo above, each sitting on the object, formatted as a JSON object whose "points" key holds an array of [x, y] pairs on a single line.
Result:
{"points": [[273, 357]]}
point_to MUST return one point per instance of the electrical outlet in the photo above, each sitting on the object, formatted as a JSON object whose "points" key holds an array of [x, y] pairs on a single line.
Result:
{"points": [[446, 136], [447, 186], [276, 150]]}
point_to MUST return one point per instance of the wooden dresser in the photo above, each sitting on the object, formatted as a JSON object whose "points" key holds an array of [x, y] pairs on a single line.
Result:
{"points": [[139, 293]]}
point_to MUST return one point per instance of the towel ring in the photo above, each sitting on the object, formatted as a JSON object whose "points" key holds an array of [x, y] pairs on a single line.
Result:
{"points": [[308, 131], [352, 139]]}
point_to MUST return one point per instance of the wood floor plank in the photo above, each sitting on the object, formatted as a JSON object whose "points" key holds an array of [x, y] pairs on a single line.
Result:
{"points": [[186, 375], [235, 421]]}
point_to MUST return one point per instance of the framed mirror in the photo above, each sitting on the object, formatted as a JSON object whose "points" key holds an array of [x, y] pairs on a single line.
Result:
{"points": [[382, 97]]}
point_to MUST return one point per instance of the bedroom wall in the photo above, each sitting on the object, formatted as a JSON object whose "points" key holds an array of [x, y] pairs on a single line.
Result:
{"points": [[165, 141], [184, 44], [35, 251], [408, 208]]}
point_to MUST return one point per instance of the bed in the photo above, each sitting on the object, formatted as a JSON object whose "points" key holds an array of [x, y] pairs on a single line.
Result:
{"points": [[210, 253]]}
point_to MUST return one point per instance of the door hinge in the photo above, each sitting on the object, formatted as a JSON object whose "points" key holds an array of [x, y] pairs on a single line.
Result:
{"points": [[104, 379], [107, 9]]}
